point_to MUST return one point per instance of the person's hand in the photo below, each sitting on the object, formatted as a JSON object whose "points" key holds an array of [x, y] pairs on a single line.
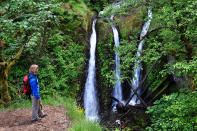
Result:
{"points": [[39, 100]]}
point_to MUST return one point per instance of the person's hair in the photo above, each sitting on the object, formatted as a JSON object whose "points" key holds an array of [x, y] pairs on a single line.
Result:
{"points": [[33, 68]]}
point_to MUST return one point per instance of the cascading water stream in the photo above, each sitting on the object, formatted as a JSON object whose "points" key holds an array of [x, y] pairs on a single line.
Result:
{"points": [[90, 95], [137, 72], [117, 91]]}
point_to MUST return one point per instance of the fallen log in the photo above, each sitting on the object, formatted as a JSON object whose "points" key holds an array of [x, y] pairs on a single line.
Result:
{"points": [[135, 92], [156, 87]]}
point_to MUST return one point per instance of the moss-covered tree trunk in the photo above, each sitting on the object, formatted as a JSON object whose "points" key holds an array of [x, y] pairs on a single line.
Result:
{"points": [[5, 97], [4, 71]]}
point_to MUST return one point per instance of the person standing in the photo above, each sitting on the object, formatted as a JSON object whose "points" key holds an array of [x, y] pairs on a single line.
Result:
{"points": [[37, 112]]}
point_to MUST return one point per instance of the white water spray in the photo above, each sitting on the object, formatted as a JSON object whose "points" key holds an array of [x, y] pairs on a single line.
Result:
{"points": [[117, 91], [137, 72], [90, 95]]}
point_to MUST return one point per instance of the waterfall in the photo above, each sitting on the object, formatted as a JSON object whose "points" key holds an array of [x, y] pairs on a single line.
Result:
{"points": [[90, 98], [117, 91], [137, 72]]}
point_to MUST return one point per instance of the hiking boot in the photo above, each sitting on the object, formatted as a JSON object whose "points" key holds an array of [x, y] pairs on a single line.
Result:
{"points": [[43, 116], [37, 119]]}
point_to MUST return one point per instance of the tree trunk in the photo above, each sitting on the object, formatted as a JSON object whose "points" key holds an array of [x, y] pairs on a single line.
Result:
{"points": [[5, 97], [4, 71]]}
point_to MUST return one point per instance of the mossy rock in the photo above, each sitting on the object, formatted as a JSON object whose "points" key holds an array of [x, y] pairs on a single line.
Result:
{"points": [[103, 30], [80, 9], [80, 25], [133, 21], [105, 57]]}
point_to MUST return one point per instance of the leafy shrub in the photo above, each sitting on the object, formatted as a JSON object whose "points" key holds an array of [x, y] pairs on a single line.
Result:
{"points": [[175, 112]]}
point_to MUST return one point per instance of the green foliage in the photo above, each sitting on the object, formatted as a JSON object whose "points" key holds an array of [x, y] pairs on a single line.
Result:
{"points": [[105, 64], [23, 18], [174, 112], [56, 44], [62, 67], [57, 30], [106, 59], [177, 19], [171, 25], [128, 56], [189, 68]]}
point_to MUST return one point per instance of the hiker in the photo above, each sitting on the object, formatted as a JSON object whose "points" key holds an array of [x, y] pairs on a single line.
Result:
{"points": [[37, 112]]}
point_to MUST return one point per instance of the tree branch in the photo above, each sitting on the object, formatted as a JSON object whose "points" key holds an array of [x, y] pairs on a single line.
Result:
{"points": [[3, 63]]}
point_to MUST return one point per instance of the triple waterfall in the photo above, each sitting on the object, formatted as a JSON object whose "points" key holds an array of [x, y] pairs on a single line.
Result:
{"points": [[90, 94]]}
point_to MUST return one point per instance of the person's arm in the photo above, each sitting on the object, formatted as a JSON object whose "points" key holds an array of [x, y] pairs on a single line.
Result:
{"points": [[34, 88]]}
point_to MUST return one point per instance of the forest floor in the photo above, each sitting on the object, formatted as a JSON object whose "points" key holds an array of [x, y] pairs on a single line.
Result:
{"points": [[20, 120]]}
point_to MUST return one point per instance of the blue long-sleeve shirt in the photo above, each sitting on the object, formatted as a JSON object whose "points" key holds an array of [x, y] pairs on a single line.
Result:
{"points": [[34, 85]]}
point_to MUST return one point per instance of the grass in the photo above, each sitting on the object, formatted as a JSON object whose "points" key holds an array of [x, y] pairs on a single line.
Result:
{"points": [[78, 117], [20, 103], [75, 113]]}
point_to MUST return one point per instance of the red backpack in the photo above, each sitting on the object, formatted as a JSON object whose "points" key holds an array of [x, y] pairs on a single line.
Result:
{"points": [[26, 85]]}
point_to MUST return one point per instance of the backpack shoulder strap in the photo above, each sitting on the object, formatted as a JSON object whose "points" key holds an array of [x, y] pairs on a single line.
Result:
{"points": [[31, 77]]}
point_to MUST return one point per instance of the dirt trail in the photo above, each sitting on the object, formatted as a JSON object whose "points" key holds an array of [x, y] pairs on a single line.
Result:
{"points": [[20, 120]]}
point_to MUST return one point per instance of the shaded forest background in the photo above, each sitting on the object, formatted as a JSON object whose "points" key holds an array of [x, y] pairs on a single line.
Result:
{"points": [[55, 35]]}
